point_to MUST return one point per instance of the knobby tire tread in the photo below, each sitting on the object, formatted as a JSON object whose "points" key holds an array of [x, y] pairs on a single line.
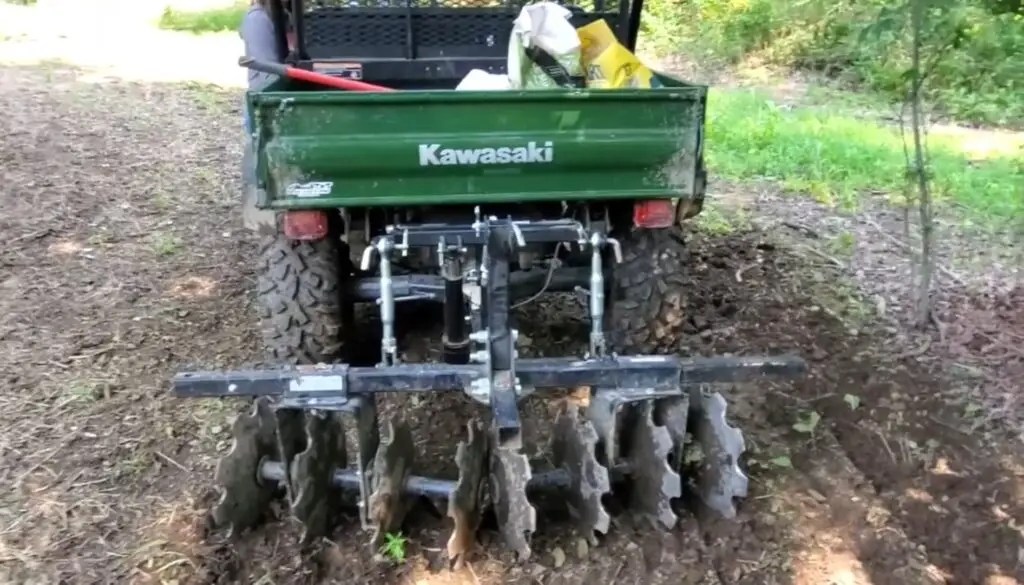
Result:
{"points": [[300, 299], [647, 301]]}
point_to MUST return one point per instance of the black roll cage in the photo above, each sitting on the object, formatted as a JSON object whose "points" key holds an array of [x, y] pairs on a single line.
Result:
{"points": [[420, 43]]}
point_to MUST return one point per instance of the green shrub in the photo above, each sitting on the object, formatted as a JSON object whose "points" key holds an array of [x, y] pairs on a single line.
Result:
{"points": [[980, 78], [221, 19]]}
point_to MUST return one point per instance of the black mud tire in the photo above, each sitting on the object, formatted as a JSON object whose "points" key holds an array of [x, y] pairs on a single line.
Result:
{"points": [[647, 305], [305, 313]]}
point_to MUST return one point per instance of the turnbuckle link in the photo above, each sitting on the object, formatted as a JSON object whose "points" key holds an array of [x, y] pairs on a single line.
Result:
{"points": [[598, 241], [384, 246]]}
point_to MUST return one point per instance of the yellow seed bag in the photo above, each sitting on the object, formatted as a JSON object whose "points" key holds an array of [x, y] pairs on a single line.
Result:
{"points": [[608, 64]]}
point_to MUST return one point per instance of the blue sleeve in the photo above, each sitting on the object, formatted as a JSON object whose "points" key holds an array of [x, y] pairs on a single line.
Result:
{"points": [[257, 32]]}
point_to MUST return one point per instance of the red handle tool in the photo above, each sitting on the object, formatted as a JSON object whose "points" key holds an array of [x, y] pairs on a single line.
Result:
{"points": [[311, 76]]}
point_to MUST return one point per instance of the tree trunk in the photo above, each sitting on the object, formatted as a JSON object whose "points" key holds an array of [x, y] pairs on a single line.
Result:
{"points": [[924, 201]]}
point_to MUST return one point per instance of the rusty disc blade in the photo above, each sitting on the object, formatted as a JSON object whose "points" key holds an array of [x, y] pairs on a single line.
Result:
{"points": [[573, 447], [655, 483], [314, 497], [719, 478], [388, 503], [517, 518], [464, 502], [244, 497]]}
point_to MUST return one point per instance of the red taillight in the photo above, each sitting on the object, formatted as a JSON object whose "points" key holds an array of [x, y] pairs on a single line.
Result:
{"points": [[307, 224], [656, 213]]}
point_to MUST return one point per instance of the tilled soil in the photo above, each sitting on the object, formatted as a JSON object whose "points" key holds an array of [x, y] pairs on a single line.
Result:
{"points": [[124, 262]]}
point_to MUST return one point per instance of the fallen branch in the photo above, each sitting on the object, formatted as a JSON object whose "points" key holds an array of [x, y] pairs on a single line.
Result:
{"points": [[801, 228], [940, 326], [825, 256], [171, 461], [915, 353]]}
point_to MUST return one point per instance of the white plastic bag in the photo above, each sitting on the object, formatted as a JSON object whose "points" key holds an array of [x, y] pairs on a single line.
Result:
{"points": [[480, 80], [543, 30]]}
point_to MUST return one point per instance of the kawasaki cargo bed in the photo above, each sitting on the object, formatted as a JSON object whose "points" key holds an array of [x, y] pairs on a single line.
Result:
{"points": [[349, 149]]}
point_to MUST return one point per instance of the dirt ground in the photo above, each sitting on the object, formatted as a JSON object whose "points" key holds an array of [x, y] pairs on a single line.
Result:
{"points": [[123, 262]]}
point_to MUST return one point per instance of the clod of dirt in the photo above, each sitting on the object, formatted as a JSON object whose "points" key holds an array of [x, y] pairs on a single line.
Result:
{"points": [[557, 557], [582, 548]]}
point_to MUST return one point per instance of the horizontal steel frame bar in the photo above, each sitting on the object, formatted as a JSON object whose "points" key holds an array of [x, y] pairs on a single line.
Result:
{"points": [[430, 287], [477, 234], [650, 376]]}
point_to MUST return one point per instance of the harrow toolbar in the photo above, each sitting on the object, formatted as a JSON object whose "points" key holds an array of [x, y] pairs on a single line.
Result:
{"points": [[649, 421]]}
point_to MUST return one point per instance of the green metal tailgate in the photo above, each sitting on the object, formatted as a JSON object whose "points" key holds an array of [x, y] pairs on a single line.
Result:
{"points": [[345, 149]]}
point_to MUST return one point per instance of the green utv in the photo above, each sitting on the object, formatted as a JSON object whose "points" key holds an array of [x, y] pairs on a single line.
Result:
{"points": [[473, 199]]}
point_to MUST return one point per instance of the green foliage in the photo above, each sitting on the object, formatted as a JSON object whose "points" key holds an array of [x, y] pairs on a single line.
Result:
{"points": [[852, 400], [807, 422], [979, 78], [662, 24], [225, 18], [834, 157], [394, 547]]}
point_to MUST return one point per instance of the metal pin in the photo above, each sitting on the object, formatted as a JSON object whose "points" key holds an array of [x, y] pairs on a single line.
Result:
{"points": [[367, 259], [518, 233], [616, 249], [404, 246], [478, 224]]}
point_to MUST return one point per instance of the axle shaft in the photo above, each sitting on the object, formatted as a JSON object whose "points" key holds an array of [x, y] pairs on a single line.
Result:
{"points": [[429, 487], [348, 479]]}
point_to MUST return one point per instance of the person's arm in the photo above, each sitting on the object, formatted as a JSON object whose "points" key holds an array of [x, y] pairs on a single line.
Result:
{"points": [[257, 32]]}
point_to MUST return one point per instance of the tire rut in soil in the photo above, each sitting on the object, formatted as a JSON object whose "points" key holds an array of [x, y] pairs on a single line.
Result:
{"points": [[930, 473], [909, 436], [812, 518], [790, 528]]}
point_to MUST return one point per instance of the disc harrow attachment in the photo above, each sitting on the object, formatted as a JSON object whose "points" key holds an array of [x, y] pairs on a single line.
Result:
{"points": [[648, 425]]}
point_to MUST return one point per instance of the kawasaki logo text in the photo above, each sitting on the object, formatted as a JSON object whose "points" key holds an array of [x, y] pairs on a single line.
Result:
{"points": [[434, 154]]}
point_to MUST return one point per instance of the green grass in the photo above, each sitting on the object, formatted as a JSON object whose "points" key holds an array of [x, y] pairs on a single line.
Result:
{"points": [[835, 157], [166, 244], [211, 20]]}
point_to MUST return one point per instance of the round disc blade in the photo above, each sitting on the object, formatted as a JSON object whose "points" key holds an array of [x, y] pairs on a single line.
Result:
{"points": [[517, 518], [464, 502], [244, 497], [573, 447]]}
